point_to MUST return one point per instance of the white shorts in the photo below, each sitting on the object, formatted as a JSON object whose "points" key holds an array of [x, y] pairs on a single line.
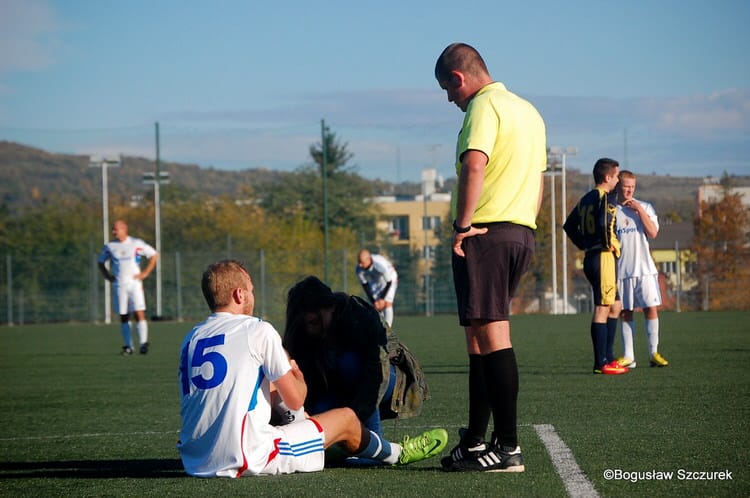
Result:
{"points": [[300, 449], [639, 292], [129, 297]]}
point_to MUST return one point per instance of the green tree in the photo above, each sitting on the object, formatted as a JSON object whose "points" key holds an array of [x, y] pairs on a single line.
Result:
{"points": [[51, 247], [727, 182], [720, 241], [442, 269], [302, 191]]}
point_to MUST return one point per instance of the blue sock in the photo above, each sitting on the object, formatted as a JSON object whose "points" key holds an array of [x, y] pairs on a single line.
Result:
{"points": [[611, 333], [599, 340], [126, 336], [377, 448]]}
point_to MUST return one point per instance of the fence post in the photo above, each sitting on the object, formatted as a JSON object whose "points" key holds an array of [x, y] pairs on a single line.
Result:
{"points": [[262, 283], [178, 283], [9, 275], [679, 274], [345, 275], [706, 297]]}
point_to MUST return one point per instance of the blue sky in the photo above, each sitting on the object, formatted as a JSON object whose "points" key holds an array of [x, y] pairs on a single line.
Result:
{"points": [[661, 85]]}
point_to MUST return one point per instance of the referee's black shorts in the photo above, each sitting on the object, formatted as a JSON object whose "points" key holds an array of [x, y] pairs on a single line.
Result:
{"points": [[487, 278]]}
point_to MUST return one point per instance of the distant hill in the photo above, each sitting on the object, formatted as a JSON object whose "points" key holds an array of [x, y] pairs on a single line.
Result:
{"points": [[673, 197], [29, 176]]}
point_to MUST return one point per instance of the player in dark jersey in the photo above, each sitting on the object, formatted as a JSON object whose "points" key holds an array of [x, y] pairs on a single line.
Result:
{"points": [[591, 227]]}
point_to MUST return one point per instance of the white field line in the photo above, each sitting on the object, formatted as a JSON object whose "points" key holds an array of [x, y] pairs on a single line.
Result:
{"points": [[76, 436], [576, 482]]}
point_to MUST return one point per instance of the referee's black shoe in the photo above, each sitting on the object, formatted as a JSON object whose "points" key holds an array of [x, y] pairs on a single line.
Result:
{"points": [[468, 448], [496, 458]]}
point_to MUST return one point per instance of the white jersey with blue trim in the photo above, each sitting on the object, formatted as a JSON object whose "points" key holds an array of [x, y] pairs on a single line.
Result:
{"points": [[226, 366], [126, 257], [377, 276], [635, 258]]}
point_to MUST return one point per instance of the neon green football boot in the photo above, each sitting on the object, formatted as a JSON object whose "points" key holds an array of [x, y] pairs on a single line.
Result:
{"points": [[426, 445]]}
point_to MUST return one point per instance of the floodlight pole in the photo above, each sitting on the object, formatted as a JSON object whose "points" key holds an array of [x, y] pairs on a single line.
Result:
{"points": [[103, 163], [324, 173], [554, 239], [157, 178], [157, 224], [567, 151]]}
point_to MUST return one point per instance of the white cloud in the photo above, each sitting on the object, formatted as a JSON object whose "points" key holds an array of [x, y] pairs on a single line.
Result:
{"points": [[704, 116], [394, 133], [397, 132], [28, 35]]}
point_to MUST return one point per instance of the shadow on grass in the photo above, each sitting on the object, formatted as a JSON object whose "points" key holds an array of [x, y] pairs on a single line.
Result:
{"points": [[143, 469], [94, 469]]}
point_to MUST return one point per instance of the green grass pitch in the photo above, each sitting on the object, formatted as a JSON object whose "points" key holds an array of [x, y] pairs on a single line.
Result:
{"points": [[77, 419]]}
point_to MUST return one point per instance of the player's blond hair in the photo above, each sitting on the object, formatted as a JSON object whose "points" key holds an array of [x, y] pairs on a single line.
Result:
{"points": [[219, 281], [626, 173]]}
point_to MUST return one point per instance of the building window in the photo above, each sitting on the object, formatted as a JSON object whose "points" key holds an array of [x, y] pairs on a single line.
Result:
{"points": [[428, 252], [399, 227], [430, 222], [668, 267], [690, 267]]}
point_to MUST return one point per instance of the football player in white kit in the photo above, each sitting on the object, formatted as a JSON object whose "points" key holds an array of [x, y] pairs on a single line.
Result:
{"points": [[234, 371], [125, 254], [638, 277], [379, 280]]}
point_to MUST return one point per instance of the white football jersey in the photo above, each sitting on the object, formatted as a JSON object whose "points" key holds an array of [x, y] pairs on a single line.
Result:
{"points": [[635, 259], [378, 275], [226, 366], [126, 257]]}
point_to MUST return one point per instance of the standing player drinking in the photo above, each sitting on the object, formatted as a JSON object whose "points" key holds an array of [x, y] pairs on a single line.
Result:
{"points": [[637, 276]]}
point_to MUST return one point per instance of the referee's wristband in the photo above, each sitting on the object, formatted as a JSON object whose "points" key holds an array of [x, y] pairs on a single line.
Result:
{"points": [[459, 229]]}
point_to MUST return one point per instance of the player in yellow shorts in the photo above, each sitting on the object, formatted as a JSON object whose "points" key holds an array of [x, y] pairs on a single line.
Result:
{"points": [[591, 227]]}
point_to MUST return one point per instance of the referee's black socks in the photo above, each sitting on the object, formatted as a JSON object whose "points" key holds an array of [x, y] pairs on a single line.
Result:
{"points": [[501, 378]]}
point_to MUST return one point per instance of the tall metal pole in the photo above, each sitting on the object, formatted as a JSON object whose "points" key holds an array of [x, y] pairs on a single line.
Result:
{"points": [[565, 153], [105, 230], [157, 224], [554, 242], [157, 178], [564, 242], [324, 172], [103, 163]]}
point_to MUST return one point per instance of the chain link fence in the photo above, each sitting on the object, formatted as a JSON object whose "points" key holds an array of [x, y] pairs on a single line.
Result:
{"points": [[31, 294], [37, 289]]}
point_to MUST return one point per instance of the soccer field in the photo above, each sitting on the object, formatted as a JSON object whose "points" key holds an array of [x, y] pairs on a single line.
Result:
{"points": [[80, 420]]}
